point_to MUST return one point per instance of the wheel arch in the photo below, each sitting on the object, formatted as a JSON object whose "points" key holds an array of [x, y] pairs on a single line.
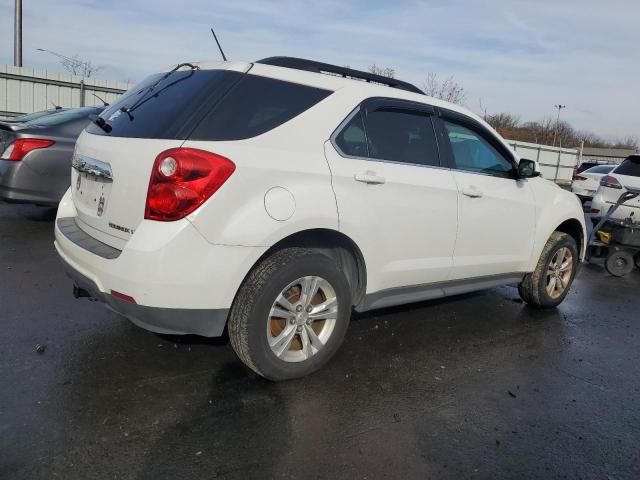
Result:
{"points": [[575, 230], [335, 245]]}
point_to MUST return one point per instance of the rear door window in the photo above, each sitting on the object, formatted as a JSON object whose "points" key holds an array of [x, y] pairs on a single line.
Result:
{"points": [[401, 135], [254, 106], [630, 166]]}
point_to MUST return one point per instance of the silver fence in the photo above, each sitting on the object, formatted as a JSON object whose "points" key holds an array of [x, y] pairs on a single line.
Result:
{"points": [[556, 163], [27, 90]]}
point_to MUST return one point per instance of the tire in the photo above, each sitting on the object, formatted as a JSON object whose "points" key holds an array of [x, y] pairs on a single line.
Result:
{"points": [[254, 321], [534, 288], [619, 262]]}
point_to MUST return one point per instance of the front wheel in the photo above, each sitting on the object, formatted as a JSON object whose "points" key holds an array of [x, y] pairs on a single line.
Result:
{"points": [[291, 314], [548, 285]]}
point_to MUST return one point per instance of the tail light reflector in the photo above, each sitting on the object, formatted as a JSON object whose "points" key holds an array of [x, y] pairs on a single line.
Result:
{"points": [[123, 296], [20, 147], [610, 182], [182, 179]]}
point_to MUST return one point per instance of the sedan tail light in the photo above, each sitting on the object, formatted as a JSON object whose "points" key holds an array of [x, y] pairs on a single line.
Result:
{"points": [[182, 179], [610, 182], [19, 148]]}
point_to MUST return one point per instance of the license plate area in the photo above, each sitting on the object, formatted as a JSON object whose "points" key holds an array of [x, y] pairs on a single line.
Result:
{"points": [[91, 183]]}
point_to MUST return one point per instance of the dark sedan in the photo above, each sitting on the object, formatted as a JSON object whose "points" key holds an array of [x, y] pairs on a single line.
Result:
{"points": [[36, 156]]}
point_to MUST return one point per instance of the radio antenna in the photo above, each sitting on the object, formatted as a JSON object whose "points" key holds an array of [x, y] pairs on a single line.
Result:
{"points": [[218, 43], [105, 104]]}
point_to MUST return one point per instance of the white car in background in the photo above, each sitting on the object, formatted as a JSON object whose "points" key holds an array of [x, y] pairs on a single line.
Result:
{"points": [[625, 176], [269, 199], [587, 182]]}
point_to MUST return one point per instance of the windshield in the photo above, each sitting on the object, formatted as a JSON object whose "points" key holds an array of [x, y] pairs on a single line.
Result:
{"points": [[63, 117]]}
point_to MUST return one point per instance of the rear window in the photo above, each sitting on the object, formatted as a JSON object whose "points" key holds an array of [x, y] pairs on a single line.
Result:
{"points": [[63, 117], [207, 105], [32, 116], [600, 169], [170, 110], [255, 106], [630, 166]]}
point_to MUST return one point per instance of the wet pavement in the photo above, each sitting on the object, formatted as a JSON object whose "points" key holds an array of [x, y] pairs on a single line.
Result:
{"points": [[478, 386]]}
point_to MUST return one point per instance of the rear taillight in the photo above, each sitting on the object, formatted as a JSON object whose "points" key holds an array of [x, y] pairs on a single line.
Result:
{"points": [[19, 148], [610, 182], [182, 179], [580, 177]]}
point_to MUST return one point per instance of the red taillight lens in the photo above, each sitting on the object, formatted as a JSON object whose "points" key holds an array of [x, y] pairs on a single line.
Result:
{"points": [[580, 177], [19, 148], [182, 179], [610, 182]]}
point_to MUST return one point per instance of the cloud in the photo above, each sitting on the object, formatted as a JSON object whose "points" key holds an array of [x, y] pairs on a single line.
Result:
{"points": [[518, 56]]}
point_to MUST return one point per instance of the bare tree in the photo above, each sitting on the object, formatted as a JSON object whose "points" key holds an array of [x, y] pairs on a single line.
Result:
{"points": [[384, 71], [78, 66], [445, 89], [503, 121], [628, 142]]}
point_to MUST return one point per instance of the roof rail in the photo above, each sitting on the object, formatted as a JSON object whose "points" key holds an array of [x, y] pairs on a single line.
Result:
{"points": [[319, 67]]}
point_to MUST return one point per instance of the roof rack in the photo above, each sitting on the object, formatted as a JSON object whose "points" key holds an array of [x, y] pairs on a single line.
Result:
{"points": [[319, 67]]}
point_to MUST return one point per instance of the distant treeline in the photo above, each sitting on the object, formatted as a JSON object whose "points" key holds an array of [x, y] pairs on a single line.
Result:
{"points": [[550, 132]]}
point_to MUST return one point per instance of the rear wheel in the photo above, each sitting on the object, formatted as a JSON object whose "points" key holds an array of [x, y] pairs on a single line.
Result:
{"points": [[291, 314], [618, 262], [548, 285]]}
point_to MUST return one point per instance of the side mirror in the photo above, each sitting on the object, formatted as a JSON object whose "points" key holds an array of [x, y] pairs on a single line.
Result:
{"points": [[527, 169]]}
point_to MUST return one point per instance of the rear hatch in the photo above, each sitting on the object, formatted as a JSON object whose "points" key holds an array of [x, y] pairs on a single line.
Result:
{"points": [[114, 157]]}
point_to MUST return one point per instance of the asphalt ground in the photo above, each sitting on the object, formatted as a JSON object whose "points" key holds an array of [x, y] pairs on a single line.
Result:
{"points": [[475, 386]]}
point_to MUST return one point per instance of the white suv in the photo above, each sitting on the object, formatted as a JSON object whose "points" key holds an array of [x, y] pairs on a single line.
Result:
{"points": [[274, 197], [626, 176]]}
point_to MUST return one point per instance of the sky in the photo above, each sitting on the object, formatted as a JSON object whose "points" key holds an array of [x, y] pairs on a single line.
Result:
{"points": [[521, 57]]}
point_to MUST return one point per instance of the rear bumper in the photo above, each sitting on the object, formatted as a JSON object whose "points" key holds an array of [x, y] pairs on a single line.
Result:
{"points": [[176, 321], [181, 283], [583, 192], [19, 183]]}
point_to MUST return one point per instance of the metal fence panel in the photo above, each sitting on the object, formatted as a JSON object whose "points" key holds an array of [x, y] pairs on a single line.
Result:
{"points": [[556, 163], [27, 90]]}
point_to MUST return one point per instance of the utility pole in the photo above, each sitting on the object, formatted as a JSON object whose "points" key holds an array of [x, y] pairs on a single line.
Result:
{"points": [[17, 35], [555, 133]]}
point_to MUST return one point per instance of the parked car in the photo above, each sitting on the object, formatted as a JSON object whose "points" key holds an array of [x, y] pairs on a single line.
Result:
{"points": [[31, 116], [587, 182], [586, 166], [272, 198], [36, 156], [624, 177]]}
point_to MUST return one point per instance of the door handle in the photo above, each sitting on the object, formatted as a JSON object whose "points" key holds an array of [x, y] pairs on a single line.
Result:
{"points": [[369, 177], [472, 191]]}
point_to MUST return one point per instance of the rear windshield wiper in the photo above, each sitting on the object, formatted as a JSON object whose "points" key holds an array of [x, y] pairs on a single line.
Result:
{"points": [[102, 123], [145, 97]]}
